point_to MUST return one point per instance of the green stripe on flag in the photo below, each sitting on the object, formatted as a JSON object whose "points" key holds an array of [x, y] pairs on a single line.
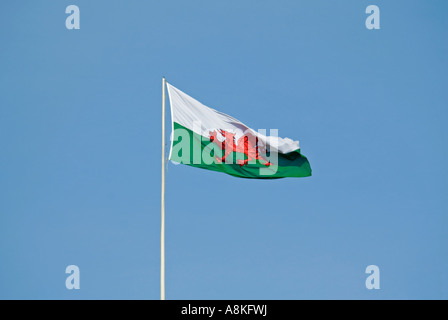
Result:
{"points": [[195, 150]]}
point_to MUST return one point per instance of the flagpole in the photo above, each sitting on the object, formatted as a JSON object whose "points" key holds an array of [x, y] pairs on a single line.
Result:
{"points": [[162, 233]]}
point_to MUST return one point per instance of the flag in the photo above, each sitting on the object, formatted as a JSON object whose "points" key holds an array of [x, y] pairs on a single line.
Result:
{"points": [[205, 138]]}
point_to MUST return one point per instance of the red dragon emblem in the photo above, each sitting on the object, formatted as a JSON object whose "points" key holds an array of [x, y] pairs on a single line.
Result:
{"points": [[247, 144]]}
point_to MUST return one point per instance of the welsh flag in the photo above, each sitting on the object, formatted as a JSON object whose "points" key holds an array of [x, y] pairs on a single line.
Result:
{"points": [[205, 138]]}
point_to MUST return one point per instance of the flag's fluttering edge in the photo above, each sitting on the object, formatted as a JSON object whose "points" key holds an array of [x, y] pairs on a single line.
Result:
{"points": [[206, 138]]}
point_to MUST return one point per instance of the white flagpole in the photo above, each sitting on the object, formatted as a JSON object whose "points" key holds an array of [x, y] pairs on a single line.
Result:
{"points": [[162, 233]]}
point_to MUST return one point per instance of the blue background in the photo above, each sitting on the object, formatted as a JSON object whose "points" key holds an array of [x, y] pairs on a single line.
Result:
{"points": [[80, 146]]}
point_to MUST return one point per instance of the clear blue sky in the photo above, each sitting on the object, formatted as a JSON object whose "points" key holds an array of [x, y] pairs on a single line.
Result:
{"points": [[80, 149]]}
